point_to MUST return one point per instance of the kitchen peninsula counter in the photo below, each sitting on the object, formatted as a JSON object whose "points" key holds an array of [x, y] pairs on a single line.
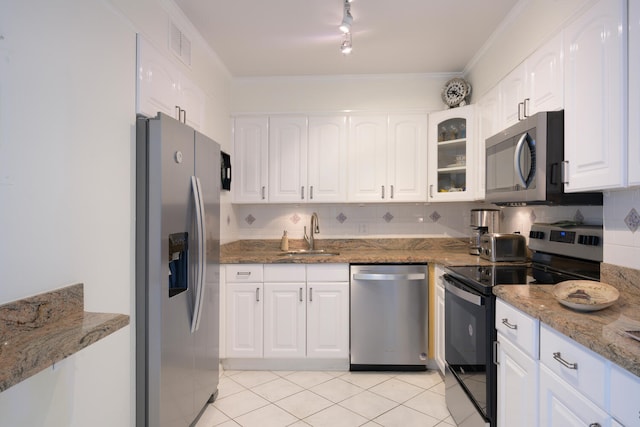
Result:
{"points": [[596, 330], [445, 251], [38, 331]]}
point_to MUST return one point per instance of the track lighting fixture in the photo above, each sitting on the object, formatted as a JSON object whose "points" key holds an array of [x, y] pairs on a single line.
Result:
{"points": [[345, 27], [346, 47]]}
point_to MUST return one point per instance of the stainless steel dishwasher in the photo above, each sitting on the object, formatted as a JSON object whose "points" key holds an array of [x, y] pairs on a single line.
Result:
{"points": [[389, 317]]}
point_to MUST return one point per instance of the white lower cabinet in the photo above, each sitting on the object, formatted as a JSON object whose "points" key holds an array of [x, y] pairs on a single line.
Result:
{"points": [[625, 397], [517, 367], [562, 406], [295, 311], [244, 310]]}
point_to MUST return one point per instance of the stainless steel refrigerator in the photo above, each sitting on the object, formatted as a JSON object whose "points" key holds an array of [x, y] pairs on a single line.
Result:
{"points": [[177, 272]]}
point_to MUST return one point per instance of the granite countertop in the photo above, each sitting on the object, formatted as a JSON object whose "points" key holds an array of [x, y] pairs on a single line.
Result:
{"points": [[38, 331], [597, 330], [445, 251]]}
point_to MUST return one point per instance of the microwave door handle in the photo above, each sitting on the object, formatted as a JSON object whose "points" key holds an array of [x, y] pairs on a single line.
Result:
{"points": [[525, 138]]}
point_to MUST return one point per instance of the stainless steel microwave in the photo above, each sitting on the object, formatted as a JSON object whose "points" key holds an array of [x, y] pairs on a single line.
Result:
{"points": [[524, 164]]}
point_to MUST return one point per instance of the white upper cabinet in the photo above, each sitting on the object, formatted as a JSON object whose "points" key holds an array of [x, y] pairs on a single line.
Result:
{"points": [[367, 158], [544, 89], [387, 158], [327, 159], [595, 52], [452, 157], [288, 159], [634, 93], [161, 87], [534, 86], [250, 160], [407, 158]]}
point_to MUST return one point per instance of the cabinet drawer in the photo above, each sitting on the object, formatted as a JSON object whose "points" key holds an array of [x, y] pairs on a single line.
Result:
{"points": [[625, 389], [285, 273], [518, 327], [327, 272], [239, 273], [574, 363]]}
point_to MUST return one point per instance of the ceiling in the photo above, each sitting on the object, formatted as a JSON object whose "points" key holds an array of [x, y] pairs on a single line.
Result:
{"points": [[301, 37]]}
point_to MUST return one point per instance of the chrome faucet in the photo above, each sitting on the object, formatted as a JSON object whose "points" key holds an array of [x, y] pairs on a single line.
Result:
{"points": [[315, 228]]}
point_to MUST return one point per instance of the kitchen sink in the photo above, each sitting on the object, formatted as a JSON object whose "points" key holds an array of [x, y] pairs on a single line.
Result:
{"points": [[310, 252]]}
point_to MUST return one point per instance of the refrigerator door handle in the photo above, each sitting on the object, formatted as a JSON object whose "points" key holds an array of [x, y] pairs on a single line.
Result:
{"points": [[201, 233]]}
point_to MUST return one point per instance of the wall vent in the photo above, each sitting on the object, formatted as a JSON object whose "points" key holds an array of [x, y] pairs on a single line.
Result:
{"points": [[179, 43]]}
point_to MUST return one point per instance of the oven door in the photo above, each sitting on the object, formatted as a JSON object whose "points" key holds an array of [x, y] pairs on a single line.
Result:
{"points": [[470, 332]]}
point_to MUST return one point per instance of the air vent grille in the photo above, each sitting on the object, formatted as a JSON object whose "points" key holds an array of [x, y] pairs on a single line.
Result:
{"points": [[179, 44]]}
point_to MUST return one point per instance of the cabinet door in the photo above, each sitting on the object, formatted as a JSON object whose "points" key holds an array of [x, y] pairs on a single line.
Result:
{"points": [[634, 93], [157, 88], [284, 320], [328, 319], [544, 80], [192, 101], [440, 319], [512, 95], [625, 389], [451, 158], [327, 159], [489, 123], [407, 158], [595, 97], [517, 386], [367, 158], [287, 159], [244, 319], [250, 160], [562, 406]]}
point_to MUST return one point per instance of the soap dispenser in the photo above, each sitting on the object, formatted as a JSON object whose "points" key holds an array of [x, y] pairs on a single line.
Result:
{"points": [[284, 243]]}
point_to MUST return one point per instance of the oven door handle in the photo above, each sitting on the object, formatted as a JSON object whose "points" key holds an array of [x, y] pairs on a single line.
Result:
{"points": [[467, 296]]}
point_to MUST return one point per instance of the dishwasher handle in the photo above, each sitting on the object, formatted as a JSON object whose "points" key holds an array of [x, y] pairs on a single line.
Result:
{"points": [[379, 276]]}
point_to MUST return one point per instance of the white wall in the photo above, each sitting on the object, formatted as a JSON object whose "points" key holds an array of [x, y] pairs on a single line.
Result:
{"points": [[67, 180]]}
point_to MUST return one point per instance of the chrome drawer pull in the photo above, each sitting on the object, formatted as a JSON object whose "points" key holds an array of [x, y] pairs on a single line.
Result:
{"points": [[563, 362], [506, 323]]}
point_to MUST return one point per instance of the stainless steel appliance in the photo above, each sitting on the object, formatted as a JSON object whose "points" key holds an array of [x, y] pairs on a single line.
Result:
{"points": [[482, 221], [389, 317], [177, 272], [470, 380], [524, 164], [497, 247]]}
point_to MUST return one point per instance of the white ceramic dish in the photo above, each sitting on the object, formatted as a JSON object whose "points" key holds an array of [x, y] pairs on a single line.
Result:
{"points": [[585, 295]]}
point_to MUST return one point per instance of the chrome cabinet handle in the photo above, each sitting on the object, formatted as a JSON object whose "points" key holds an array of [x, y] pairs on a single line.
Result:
{"points": [[431, 191], [257, 294], [263, 194], [520, 104], [392, 191], [300, 294], [310, 294], [382, 191], [506, 323], [302, 192], [525, 108], [557, 356], [243, 273], [311, 192]]}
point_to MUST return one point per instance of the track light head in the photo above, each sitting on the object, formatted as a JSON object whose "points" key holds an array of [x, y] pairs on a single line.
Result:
{"points": [[345, 26], [346, 46]]}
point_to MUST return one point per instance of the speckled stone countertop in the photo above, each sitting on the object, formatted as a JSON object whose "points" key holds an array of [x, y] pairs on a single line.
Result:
{"points": [[38, 331], [445, 251], [597, 330]]}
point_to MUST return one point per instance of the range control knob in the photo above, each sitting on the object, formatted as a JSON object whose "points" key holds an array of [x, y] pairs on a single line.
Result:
{"points": [[536, 234], [588, 240]]}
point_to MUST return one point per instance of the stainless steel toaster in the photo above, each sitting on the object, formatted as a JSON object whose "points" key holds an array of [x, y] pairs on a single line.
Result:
{"points": [[503, 247]]}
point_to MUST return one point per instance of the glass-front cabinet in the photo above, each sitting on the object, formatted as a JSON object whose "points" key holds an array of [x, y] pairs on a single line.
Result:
{"points": [[452, 158]]}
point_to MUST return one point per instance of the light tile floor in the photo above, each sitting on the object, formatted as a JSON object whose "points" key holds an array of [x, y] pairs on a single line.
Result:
{"points": [[328, 399]]}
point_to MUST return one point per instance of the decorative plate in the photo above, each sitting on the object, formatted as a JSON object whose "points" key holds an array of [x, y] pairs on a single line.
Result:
{"points": [[585, 295]]}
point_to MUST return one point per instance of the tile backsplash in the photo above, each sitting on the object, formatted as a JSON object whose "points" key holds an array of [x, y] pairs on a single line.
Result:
{"points": [[393, 220], [622, 228]]}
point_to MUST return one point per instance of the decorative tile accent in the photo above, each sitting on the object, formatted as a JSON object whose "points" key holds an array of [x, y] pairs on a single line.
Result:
{"points": [[341, 218], [295, 218], [388, 217], [632, 220], [578, 217], [435, 216], [532, 216], [250, 219]]}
